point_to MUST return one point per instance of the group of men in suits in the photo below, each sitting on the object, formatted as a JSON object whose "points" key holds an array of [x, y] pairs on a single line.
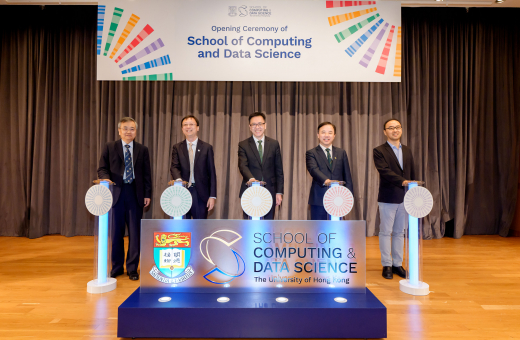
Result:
{"points": [[127, 164]]}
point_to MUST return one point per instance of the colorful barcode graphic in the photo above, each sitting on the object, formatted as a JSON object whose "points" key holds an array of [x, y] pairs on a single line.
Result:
{"points": [[352, 49], [334, 4], [372, 49], [397, 65], [338, 19], [118, 13], [149, 64], [163, 76], [144, 52], [354, 28], [381, 66], [126, 31], [100, 22], [147, 30]]}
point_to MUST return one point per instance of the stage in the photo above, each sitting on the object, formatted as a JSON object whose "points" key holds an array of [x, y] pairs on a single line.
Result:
{"points": [[473, 281]]}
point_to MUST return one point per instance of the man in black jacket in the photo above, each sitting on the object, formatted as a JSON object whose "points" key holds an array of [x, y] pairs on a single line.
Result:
{"points": [[193, 162], [260, 159], [127, 163], [394, 162], [326, 163]]}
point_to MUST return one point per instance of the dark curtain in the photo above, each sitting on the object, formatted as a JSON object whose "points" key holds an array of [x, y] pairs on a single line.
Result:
{"points": [[458, 102]]}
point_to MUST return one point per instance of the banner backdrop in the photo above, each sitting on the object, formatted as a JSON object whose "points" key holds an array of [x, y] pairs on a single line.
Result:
{"points": [[282, 40]]}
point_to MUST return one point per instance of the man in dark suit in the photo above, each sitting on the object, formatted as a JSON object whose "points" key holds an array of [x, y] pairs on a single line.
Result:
{"points": [[193, 162], [260, 159], [394, 162], [127, 163], [326, 163]]}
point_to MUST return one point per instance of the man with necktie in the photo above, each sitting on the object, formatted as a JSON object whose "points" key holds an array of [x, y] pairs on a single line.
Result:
{"points": [[193, 162], [394, 162], [326, 163], [126, 163], [260, 159]]}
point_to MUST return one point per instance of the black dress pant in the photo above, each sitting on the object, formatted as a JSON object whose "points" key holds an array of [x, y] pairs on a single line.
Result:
{"points": [[126, 212], [318, 213], [199, 209]]}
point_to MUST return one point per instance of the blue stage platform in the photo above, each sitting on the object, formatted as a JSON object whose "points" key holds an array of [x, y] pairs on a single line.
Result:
{"points": [[252, 315]]}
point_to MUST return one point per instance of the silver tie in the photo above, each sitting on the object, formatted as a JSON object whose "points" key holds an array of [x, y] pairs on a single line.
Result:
{"points": [[192, 179]]}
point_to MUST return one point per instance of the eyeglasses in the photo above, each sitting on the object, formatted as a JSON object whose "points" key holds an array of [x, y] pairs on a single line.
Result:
{"points": [[188, 125], [128, 129], [256, 125], [392, 128]]}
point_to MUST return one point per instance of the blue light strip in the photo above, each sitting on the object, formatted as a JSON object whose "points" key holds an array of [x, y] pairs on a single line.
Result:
{"points": [[334, 218], [102, 245], [255, 184], [413, 246]]}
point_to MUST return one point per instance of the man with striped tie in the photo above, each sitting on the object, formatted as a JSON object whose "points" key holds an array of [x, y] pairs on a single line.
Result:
{"points": [[193, 162], [326, 163], [127, 163]]}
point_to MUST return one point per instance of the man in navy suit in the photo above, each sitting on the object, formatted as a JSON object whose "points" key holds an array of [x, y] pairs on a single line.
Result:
{"points": [[326, 163], [260, 159], [127, 163], [193, 162], [394, 162]]}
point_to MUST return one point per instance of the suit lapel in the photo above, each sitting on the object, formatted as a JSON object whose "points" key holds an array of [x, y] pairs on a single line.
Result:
{"points": [[119, 150], [196, 153], [392, 153], [334, 157], [268, 145], [253, 147], [137, 149], [321, 154], [184, 151]]}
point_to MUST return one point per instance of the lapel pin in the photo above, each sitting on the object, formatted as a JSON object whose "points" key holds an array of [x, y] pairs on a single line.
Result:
{"points": [[198, 150]]}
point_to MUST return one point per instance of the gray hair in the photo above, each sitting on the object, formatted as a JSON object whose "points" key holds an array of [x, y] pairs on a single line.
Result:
{"points": [[126, 120]]}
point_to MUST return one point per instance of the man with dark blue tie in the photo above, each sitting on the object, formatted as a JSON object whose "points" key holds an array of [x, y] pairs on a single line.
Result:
{"points": [[126, 163], [326, 163]]}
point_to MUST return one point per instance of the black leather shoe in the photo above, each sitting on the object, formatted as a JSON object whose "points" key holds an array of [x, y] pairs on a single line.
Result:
{"points": [[133, 276], [400, 271], [387, 273], [116, 274]]}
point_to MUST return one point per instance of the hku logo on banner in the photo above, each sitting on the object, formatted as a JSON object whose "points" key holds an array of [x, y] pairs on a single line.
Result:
{"points": [[250, 40], [171, 253]]}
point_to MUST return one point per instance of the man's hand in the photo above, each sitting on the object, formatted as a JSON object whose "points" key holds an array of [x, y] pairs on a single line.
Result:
{"points": [[251, 181], [327, 182], [147, 202], [211, 203], [279, 198], [405, 183], [98, 181]]}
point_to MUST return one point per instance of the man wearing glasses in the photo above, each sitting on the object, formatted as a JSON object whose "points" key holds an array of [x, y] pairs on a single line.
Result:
{"points": [[394, 162], [127, 163], [193, 162], [260, 159]]}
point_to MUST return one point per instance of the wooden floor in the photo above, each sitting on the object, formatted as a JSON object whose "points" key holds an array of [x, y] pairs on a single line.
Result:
{"points": [[475, 284]]}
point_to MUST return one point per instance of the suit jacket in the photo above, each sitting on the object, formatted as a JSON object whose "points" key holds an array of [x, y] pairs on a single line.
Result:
{"points": [[203, 168], [319, 169], [391, 175], [270, 170], [112, 166]]}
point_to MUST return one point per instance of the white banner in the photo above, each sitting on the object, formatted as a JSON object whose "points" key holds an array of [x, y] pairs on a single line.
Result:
{"points": [[281, 40]]}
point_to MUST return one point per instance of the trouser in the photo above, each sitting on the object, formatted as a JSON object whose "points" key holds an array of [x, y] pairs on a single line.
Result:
{"points": [[199, 209], [394, 220]]}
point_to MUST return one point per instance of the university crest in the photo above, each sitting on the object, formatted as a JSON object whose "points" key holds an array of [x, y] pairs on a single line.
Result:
{"points": [[171, 254]]}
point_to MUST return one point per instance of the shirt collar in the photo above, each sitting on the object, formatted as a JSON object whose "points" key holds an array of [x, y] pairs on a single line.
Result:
{"points": [[257, 140], [131, 144], [194, 142], [393, 146], [323, 148]]}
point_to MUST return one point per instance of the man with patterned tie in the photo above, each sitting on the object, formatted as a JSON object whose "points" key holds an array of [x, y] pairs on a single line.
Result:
{"points": [[193, 162], [260, 159], [326, 163], [127, 163]]}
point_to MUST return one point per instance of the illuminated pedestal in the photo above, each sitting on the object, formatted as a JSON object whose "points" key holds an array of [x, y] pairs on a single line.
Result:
{"points": [[252, 315]]}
